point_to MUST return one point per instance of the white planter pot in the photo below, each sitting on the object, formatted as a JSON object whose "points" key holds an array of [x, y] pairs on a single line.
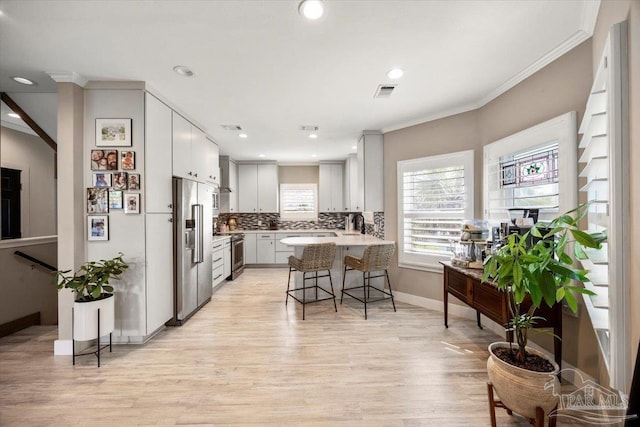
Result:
{"points": [[522, 390], [85, 318]]}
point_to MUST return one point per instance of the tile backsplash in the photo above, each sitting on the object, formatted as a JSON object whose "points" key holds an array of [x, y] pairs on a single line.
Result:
{"points": [[249, 221]]}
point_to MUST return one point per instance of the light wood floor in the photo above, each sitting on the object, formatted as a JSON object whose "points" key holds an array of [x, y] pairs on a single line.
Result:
{"points": [[244, 359]]}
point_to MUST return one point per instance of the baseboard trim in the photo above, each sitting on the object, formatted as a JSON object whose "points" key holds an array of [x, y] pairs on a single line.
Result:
{"points": [[19, 324], [63, 348]]}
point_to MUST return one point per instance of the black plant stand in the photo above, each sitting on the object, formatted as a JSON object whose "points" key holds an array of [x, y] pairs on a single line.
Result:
{"points": [[95, 352]]}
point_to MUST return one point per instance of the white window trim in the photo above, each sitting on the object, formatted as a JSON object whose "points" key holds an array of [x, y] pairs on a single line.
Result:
{"points": [[299, 216], [563, 129], [431, 262]]}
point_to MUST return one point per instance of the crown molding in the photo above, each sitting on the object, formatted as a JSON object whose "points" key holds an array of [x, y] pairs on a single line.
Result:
{"points": [[68, 77], [588, 20]]}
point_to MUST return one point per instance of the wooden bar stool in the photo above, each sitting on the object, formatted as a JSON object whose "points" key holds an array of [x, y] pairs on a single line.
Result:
{"points": [[374, 258], [316, 257]]}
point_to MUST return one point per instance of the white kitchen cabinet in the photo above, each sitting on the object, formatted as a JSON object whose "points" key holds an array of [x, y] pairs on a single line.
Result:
{"points": [[248, 188], [331, 189], [212, 175], [227, 258], [351, 184], [156, 182], [258, 188], [370, 167], [228, 185], [159, 289], [217, 265], [268, 188], [250, 248], [266, 248], [181, 147]]}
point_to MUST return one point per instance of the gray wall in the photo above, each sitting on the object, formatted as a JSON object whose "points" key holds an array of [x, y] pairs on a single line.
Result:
{"points": [[26, 289], [298, 174], [562, 86], [36, 159]]}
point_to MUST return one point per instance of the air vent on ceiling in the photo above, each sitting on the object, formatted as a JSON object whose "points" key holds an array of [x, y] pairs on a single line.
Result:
{"points": [[234, 128], [309, 128], [384, 91]]}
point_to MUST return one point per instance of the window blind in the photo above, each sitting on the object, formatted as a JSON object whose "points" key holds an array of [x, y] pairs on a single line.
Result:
{"points": [[435, 196], [298, 201]]}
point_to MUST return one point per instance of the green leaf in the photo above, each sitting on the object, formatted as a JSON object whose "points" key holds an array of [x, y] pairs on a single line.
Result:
{"points": [[571, 301], [584, 239], [536, 295], [565, 258], [579, 252], [560, 294], [517, 274], [535, 232], [96, 293]]}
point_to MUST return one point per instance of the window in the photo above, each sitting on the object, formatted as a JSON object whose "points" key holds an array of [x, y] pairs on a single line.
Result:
{"points": [[298, 202], [535, 168], [435, 196]]}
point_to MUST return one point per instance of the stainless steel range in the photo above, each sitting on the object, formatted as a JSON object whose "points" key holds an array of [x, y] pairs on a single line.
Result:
{"points": [[237, 255]]}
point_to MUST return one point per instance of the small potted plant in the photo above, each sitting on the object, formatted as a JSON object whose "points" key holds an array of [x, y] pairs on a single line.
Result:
{"points": [[92, 292], [535, 267]]}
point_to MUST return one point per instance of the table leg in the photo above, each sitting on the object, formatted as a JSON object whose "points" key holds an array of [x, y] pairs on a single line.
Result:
{"points": [[478, 319]]}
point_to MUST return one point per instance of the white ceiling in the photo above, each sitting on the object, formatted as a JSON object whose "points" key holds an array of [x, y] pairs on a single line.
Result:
{"points": [[260, 65]]}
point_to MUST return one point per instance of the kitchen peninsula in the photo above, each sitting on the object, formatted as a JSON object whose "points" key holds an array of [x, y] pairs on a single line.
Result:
{"points": [[348, 243]]}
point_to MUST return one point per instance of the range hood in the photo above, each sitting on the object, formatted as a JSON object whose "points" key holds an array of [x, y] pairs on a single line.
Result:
{"points": [[225, 164]]}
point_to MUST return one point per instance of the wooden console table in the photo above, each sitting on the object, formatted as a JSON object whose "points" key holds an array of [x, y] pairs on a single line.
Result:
{"points": [[466, 284]]}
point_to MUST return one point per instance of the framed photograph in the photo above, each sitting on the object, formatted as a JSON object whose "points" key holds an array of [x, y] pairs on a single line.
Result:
{"points": [[132, 203], [97, 200], [134, 181], [128, 160], [113, 132], [115, 199], [102, 179], [98, 227], [104, 160], [120, 181]]}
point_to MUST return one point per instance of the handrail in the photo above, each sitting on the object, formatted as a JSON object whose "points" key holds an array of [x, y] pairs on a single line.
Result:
{"points": [[35, 260]]}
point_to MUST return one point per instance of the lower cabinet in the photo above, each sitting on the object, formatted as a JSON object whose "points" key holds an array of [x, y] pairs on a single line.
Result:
{"points": [[283, 252], [266, 248], [159, 291], [227, 258], [250, 248], [217, 267]]}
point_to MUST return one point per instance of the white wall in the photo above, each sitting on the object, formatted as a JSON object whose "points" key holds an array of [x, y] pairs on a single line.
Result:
{"points": [[36, 160]]}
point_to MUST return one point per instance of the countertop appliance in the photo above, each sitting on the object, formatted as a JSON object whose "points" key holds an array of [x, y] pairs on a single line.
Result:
{"points": [[192, 247], [237, 255]]}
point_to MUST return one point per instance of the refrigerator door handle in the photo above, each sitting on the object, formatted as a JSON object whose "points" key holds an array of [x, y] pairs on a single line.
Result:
{"points": [[198, 248]]}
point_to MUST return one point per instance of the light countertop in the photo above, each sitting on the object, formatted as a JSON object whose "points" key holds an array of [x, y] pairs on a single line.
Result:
{"points": [[343, 238]]}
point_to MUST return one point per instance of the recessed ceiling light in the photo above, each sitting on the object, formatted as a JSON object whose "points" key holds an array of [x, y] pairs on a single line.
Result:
{"points": [[24, 81], [260, 155], [313, 155], [311, 9], [183, 70], [355, 147], [14, 115], [313, 136], [243, 135], [395, 73]]}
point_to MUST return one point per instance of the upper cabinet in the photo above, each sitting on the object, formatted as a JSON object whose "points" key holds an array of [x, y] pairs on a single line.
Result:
{"points": [[194, 156], [370, 167], [331, 188], [352, 197], [228, 185], [258, 184], [157, 182]]}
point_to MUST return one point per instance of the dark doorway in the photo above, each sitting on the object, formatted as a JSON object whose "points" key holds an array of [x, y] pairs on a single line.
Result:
{"points": [[10, 190]]}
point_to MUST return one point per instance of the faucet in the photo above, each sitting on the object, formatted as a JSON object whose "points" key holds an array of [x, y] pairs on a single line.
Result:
{"points": [[355, 223]]}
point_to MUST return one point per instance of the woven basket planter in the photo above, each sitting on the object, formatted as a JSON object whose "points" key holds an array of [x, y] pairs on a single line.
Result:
{"points": [[522, 390]]}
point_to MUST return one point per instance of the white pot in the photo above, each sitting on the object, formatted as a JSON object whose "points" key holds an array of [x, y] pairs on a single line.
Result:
{"points": [[522, 390], [85, 318]]}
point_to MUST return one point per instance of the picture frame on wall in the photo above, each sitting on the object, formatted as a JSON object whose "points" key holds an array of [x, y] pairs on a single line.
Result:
{"points": [[104, 160], [132, 203], [97, 200], [120, 181], [98, 227], [113, 132], [134, 181], [101, 179], [115, 199], [128, 160]]}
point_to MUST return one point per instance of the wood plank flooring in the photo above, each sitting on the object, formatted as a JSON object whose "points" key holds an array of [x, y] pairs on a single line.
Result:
{"points": [[245, 359]]}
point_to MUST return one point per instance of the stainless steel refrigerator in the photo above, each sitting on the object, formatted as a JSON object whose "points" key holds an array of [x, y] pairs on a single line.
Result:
{"points": [[192, 246]]}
